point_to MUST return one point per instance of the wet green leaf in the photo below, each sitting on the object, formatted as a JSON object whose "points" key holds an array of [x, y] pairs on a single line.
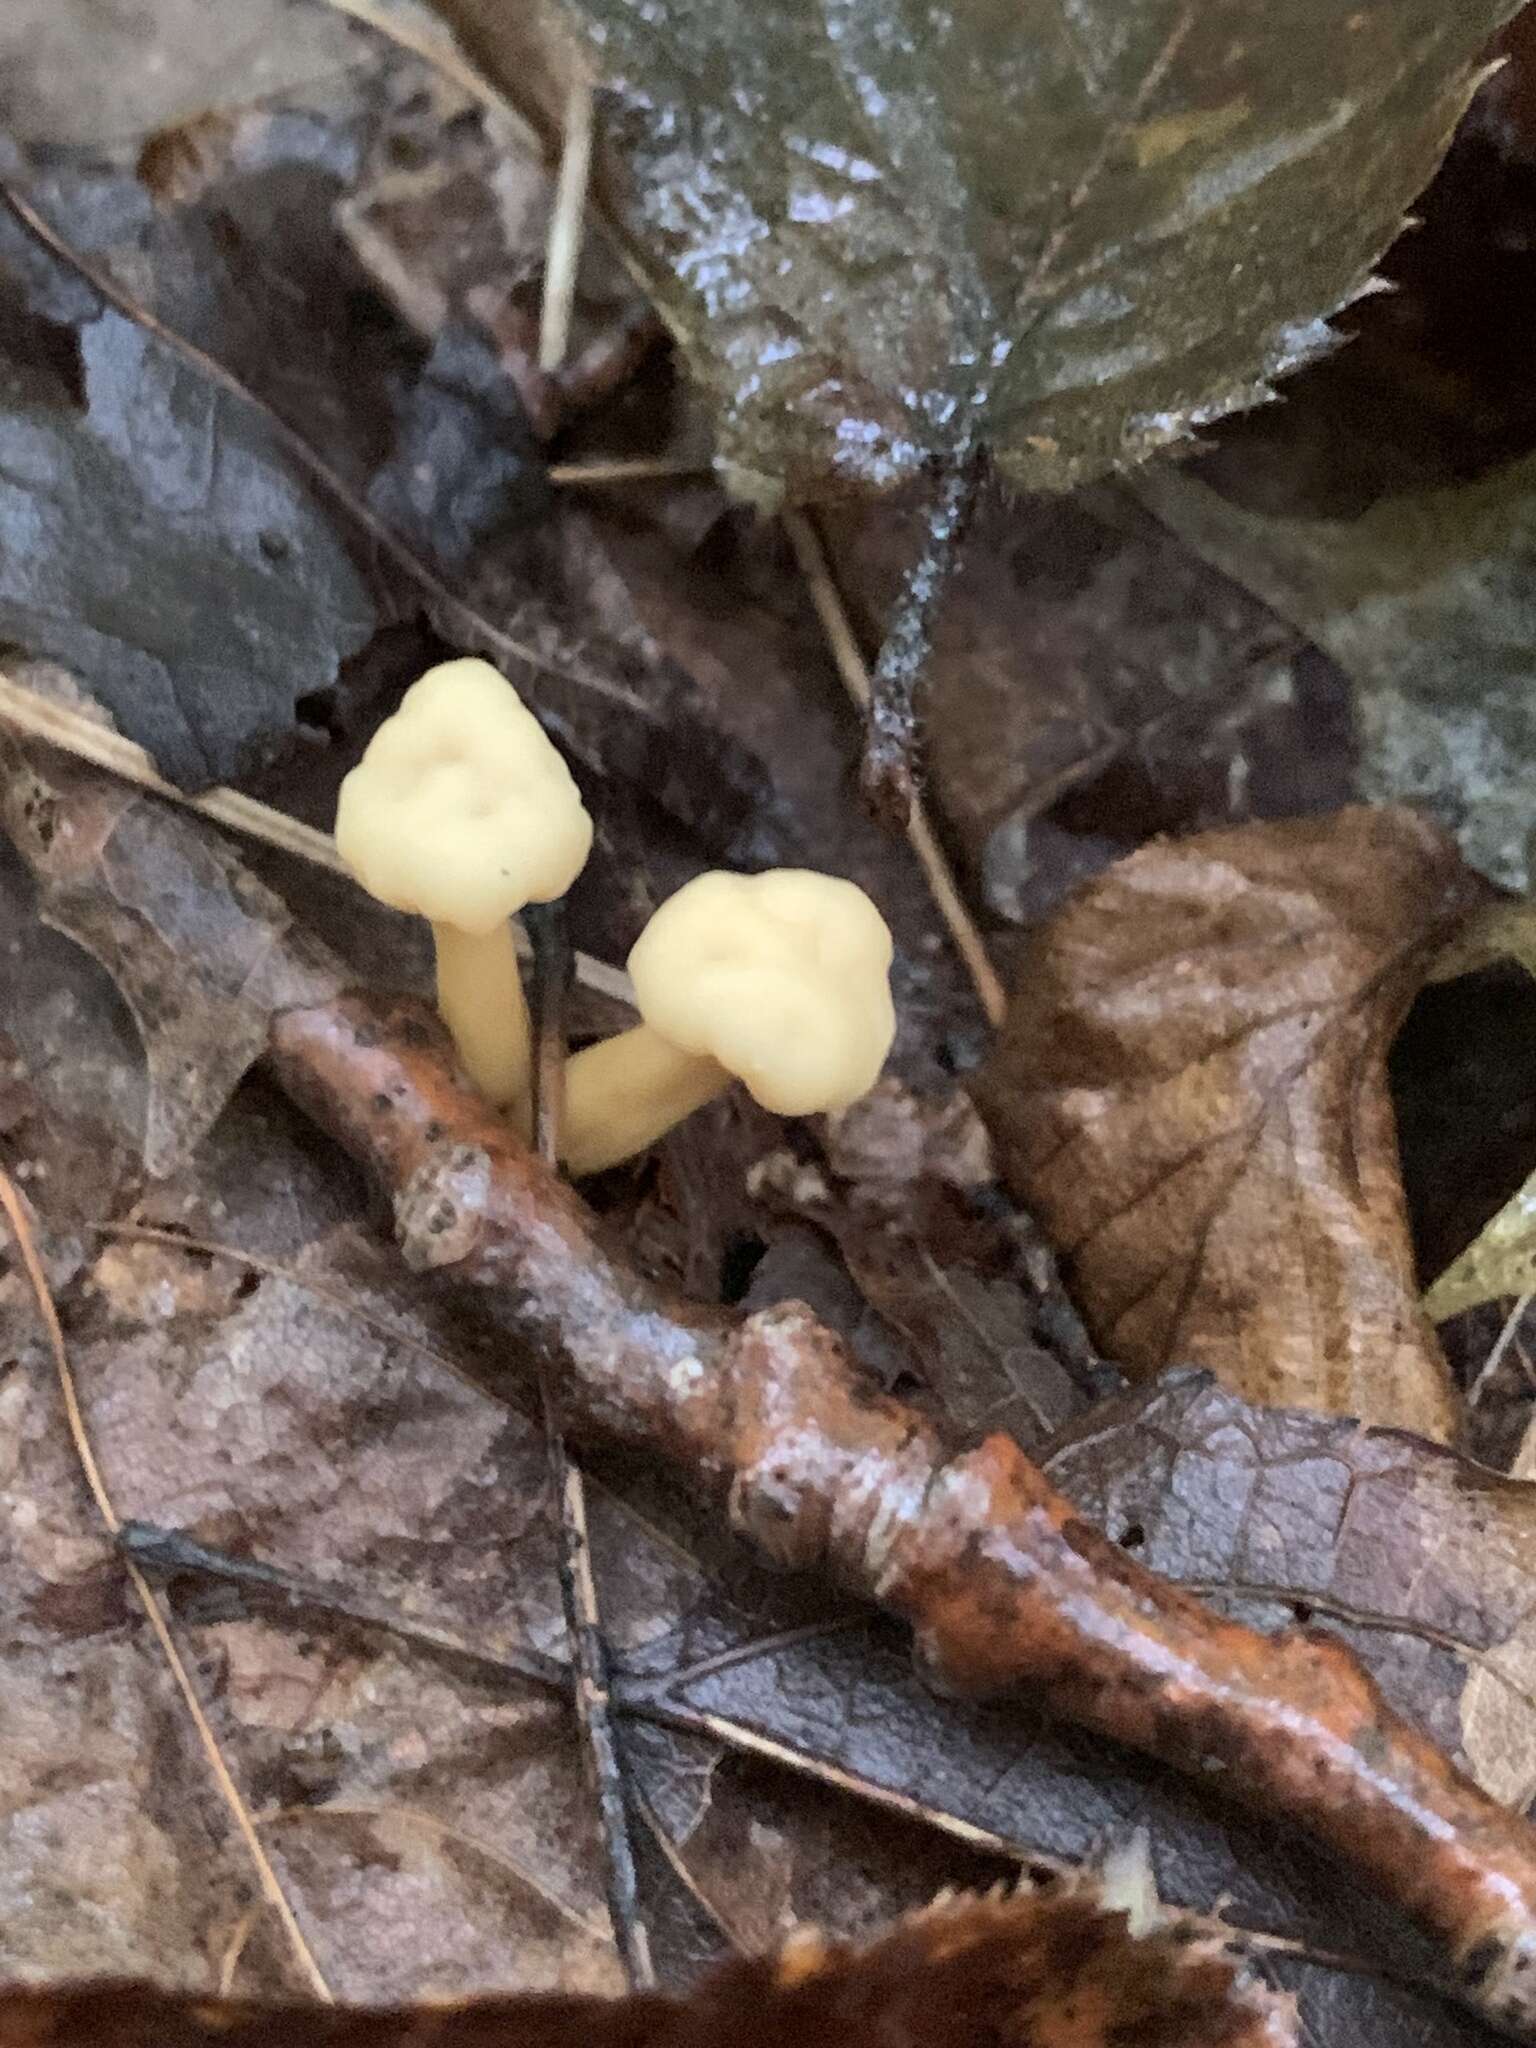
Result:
{"points": [[1070, 229], [1500, 1260]]}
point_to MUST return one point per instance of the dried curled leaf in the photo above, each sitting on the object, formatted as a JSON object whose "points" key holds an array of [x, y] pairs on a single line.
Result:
{"points": [[1072, 1968], [1071, 231], [1190, 1092]]}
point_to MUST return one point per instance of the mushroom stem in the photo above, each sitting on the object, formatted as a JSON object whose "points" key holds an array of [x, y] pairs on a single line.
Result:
{"points": [[626, 1092], [480, 995]]}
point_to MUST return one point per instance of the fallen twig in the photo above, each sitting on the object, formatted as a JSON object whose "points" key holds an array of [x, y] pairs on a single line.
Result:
{"points": [[1002, 1582]]}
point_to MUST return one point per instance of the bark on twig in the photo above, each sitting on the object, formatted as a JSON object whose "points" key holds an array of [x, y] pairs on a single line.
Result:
{"points": [[1002, 1582]]}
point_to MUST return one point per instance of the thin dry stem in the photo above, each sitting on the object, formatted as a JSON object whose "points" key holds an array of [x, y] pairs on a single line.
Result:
{"points": [[937, 872], [643, 469], [562, 255], [1501, 1344], [149, 1600], [76, 732]]}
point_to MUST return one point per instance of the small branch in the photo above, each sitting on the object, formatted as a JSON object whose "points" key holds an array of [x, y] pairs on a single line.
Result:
{"points": [[942, 886], [1002, 1582], [889, 773]]}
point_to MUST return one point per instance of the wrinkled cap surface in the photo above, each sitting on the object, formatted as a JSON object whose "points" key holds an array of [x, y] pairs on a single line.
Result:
{"points": [[784, 978], [461, 810]]}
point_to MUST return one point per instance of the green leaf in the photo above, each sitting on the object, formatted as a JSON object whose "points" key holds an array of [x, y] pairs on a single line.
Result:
{"points": [[1500, 1260], [1073, 230], [1425, 601]]}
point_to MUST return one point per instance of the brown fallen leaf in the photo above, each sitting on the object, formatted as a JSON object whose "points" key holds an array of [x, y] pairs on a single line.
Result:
{"points": [[1423, 1560], [1190, 1092], [1081, 1966], [134, 896]]}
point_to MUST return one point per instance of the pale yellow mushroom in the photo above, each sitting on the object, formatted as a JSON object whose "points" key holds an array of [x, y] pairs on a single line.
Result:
{"points": [[781, 980], [463, 812]]}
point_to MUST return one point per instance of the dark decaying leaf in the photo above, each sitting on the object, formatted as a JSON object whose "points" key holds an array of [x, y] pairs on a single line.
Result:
{"points": [[953, 1293], [160, 547], [1093, 683], [1074, 232], [1074, 1968], [1191, 1093], [133, 896], [1386, 509], [462, 467]]}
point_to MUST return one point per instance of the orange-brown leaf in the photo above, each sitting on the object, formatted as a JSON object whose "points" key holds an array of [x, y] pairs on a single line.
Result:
{"points": [[1062, 1970], [1191, 1093]]}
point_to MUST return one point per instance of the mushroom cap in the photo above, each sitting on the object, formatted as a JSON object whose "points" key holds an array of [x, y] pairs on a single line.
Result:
{"points": [[461, 810], [784, 978]]}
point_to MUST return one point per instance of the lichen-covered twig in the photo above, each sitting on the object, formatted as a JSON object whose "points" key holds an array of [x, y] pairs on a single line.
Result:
{"points": [[889, 771], [1002, 1582]]}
